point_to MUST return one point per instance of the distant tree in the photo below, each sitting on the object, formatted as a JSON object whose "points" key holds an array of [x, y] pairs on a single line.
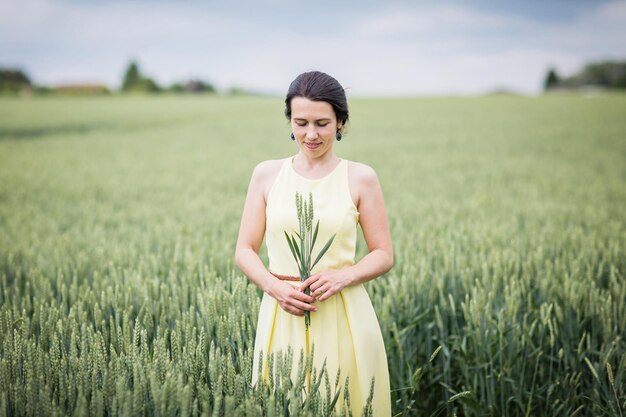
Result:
{"points": [[147, 84], [552, 79], [42, 89], [14, 80], [131, 77], [134, 81], [192, 86], [198, 86], [238, 91], [608, 74], [176, 88]]}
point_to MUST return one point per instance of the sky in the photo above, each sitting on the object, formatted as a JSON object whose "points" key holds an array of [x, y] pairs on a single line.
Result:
{"points": [[374, 48]]}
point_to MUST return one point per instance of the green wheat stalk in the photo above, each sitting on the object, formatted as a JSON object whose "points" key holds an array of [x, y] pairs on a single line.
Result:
{"points": [[302, 249]]}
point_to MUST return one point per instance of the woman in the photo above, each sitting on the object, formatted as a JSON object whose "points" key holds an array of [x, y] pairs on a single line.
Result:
{"points": [[344, 330]]}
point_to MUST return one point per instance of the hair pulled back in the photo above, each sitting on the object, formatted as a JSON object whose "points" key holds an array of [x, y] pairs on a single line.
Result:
{"points": [[318, 86]]}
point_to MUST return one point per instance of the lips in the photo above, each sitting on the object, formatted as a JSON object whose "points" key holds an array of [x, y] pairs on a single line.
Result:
{"points": [[312, 145]]}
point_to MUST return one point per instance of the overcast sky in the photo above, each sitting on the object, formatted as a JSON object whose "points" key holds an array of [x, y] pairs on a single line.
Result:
{"points": [[371, 47]]}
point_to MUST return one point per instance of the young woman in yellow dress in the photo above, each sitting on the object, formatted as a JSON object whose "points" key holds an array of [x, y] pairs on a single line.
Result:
{"points": [[344, 330]]}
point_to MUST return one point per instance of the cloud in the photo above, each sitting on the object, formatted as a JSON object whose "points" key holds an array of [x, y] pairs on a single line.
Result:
{"points": [[69, 41], [431, 20], [454, 49], [405, 49]]}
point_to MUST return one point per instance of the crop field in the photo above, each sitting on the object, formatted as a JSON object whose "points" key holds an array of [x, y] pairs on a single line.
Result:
{"points": [[119, 217]]}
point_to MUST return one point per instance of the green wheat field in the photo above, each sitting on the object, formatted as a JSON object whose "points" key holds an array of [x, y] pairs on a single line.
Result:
{"points": [[119, 217]]}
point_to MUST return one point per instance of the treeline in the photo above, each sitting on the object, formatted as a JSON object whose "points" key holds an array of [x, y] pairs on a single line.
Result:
{"points": [[16, 81], [135, 81], [601, 75]]}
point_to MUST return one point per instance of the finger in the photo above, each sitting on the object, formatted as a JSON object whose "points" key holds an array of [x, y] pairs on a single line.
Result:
{"points": [[300, 295], [316, 285], [326, 295], [303, 306], [308, 281], [303, 297], [321, 290], [291, 310]]}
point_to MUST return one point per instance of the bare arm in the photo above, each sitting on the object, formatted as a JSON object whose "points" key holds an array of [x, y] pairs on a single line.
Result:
{"points": [[373, 219], [251, 231]]}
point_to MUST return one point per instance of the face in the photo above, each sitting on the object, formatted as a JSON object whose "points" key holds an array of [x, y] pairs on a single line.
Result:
{"points": [[314, 125]]}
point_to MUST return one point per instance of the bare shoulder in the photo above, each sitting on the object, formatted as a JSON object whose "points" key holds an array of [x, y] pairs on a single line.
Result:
{"points": [[361, 178], [361, 174], [267, 168], [265, 173]]}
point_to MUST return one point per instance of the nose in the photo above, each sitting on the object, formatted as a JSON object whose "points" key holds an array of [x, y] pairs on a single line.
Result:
{"points": [[311, 132]]}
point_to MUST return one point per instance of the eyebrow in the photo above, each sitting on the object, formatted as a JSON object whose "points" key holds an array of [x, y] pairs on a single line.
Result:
{"points": [[318, 120]]}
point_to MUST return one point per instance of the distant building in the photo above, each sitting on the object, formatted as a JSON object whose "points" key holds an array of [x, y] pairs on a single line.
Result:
{"points": [[80, 89]]}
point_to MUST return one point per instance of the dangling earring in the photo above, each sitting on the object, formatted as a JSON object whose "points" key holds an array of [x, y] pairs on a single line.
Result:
{"points": [[292, 136], [338, 135]]}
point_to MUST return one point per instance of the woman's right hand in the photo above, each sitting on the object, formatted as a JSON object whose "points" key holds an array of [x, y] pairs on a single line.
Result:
{"points": [[291, 299]]}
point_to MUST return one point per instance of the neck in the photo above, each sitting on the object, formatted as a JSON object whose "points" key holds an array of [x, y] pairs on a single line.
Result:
{"points": [[329, 158]]}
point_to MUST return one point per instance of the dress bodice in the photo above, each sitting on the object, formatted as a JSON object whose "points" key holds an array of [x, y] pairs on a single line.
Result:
{"points": [[333, 207]]}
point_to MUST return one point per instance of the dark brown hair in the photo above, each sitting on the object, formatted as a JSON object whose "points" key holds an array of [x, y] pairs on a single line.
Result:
{"points": [[318, 86]]}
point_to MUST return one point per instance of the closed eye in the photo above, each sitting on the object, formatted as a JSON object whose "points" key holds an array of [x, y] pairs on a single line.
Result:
{"points": [[320, 123]]}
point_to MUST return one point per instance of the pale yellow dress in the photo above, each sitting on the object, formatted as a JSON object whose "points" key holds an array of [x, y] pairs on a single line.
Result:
{"points": [[344, 330]]}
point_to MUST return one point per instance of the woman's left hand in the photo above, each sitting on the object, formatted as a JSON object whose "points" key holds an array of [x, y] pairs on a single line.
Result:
{"points": [[325, 284]]}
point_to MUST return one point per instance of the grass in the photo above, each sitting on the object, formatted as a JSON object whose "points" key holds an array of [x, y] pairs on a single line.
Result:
{"points": [[119, 216]]}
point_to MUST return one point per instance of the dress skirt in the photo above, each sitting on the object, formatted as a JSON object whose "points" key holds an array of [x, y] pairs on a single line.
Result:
{"points": [[344, 331]]}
